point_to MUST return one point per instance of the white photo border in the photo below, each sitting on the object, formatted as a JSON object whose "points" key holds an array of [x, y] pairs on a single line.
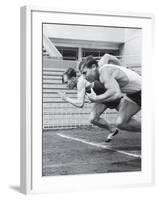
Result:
{"points": [[32, 181]]}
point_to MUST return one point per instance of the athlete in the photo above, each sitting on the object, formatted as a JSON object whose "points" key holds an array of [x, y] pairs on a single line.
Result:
{"points": [[117, 80], [84, 87]]}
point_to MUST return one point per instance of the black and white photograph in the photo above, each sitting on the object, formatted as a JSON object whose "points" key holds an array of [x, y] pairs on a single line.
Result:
{"points": [[91, 99]]}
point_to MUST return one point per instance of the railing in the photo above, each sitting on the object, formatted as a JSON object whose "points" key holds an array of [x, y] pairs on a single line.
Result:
{"points": [[50, 48]]}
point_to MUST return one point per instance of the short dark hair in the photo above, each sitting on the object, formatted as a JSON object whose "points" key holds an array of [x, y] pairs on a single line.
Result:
{"points": [[70, 72], [88, 62]]}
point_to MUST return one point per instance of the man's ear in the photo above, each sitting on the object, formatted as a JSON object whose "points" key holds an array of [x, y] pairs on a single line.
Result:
{"points": [[94, 66]]}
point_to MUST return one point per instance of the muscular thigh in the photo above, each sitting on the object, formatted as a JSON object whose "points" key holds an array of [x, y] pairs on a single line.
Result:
{"points": [[127, 109], [97, 109]]}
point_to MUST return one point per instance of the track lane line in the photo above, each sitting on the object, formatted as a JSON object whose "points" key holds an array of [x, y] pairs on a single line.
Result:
{"points": [[98, 145]]}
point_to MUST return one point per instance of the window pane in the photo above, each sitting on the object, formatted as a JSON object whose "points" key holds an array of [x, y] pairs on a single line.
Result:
{"points": [[98, 52], [68, 53]]}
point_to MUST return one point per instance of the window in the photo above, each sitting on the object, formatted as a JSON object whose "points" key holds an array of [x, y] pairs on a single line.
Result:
{"points": [[68, 53], [98, 52]]}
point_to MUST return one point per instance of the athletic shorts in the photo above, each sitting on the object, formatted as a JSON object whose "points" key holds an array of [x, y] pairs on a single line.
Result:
{"points": [[136, 97], [100, 89], [113, 104]]}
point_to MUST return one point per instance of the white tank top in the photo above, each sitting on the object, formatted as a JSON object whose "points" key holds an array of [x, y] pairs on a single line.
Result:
{"points": [[82, 79], [134, 83]]}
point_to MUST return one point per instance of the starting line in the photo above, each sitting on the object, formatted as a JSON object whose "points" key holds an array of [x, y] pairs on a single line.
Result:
{"points": [[98, 145]]}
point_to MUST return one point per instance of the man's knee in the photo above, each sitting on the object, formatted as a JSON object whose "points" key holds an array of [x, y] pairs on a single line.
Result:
{"points": [[93, 119], [120, 122]]}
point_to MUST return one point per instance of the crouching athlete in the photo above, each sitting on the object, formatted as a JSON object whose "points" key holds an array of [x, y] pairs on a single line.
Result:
{"points": [[83, 88]]}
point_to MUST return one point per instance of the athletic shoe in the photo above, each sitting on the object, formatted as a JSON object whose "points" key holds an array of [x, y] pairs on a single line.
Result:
{"points": [[111, 135]]}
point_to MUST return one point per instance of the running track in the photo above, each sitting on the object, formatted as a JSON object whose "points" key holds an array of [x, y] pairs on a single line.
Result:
{"points": [[83, 151]]}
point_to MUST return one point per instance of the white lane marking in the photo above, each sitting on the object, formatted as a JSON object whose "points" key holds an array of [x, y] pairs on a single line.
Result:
{"points": [[99, 145]]}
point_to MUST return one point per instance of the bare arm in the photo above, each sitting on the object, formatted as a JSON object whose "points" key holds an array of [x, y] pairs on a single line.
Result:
{"points": [[80, 100], [114, 60], [112, 93], [108, 59], [112, 89]]}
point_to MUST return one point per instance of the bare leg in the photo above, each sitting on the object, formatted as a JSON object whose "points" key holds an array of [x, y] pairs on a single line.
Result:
{"points": [[127, 110], [97, 110]]}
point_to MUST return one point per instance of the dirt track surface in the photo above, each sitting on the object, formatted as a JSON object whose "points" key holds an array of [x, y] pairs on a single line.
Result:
{"points": [[83, 151]]}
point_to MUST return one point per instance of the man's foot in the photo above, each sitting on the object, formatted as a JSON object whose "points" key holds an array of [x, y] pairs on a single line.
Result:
{"points": [[111, 135]]}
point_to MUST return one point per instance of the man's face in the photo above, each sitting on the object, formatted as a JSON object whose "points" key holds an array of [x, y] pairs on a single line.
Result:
{"points": [[70, 82], [91, 74], [65, 79]]}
